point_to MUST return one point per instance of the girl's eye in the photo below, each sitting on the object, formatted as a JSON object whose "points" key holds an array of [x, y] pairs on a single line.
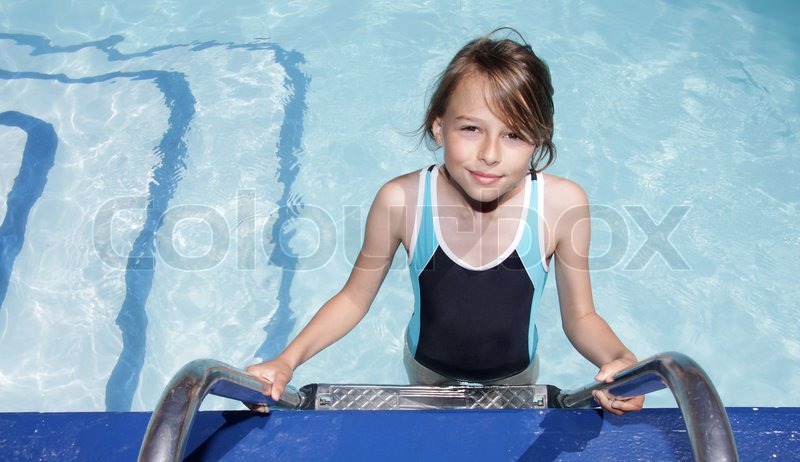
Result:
{"points": [[469, 128], [515, 137]]}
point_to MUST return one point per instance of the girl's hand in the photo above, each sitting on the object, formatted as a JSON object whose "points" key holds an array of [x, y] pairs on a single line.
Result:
{"points": [[609, 402], [274, 374]]}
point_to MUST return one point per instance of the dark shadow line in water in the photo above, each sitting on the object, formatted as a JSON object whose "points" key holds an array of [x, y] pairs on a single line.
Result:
{"points": [[283, 320], [289, 147], [140, 267], [140, 270], [38, 157], [132, 318], [42, 46]]}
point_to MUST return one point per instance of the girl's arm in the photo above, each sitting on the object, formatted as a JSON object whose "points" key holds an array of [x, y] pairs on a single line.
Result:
{"points": [[586, 330], [385, 225]]}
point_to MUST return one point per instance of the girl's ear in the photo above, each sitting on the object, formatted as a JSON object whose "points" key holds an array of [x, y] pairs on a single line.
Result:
{"points": [[437, 130]]}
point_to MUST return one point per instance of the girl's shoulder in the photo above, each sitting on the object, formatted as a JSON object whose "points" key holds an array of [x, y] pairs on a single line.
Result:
{"points": [[400, 191], [397, 200], [561, 193]]}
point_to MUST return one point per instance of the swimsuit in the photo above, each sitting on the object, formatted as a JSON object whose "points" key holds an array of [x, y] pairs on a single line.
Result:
{"points": [[475, 323]]}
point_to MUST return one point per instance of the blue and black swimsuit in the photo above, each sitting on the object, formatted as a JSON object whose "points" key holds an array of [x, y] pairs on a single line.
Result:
{"points": [[475, 323]]}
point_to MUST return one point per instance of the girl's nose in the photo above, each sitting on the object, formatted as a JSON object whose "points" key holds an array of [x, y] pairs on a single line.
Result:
{"points": [[490, 152]]}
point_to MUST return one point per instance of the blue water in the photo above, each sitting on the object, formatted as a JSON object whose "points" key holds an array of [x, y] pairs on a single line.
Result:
{"points": [[185, 181]]}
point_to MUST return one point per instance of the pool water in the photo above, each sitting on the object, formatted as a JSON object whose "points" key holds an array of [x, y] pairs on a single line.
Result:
{"points": [[201, 174]]}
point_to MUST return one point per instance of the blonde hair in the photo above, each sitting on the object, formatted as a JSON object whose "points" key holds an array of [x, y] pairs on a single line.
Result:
{"points": [[518, 88]]}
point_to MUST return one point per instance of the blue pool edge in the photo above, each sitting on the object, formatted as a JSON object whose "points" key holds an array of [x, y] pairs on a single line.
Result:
{"points": [[547, 434]]}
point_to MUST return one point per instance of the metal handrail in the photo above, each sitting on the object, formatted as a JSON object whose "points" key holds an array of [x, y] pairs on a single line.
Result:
{"points": [[165, 438], [707, 423]]}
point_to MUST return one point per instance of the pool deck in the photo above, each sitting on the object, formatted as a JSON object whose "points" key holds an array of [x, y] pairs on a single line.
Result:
{"points": [[542, 435]]}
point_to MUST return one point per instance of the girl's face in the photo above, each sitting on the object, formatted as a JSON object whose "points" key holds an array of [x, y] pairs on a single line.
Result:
{"points": [[484, 158]]}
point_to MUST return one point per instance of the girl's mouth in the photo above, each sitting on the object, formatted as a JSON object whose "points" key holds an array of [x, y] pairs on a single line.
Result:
{"points": [[485, 178]]}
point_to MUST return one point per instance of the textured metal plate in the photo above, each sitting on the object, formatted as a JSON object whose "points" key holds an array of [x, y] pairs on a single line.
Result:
{"points": [[390, 397]]}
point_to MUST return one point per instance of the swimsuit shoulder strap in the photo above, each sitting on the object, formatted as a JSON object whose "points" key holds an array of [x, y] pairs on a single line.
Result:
{"points": [[423, 241]]}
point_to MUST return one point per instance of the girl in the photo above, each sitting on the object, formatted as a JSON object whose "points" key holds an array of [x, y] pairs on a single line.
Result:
{"points": [[481, 231]]}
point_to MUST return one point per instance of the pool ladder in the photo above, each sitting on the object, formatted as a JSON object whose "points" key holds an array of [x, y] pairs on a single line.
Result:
{"points": [[707, 424]]}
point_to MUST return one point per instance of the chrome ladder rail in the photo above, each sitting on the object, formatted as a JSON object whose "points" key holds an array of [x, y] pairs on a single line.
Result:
{"points": [[172, 419], [707, 423]]}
